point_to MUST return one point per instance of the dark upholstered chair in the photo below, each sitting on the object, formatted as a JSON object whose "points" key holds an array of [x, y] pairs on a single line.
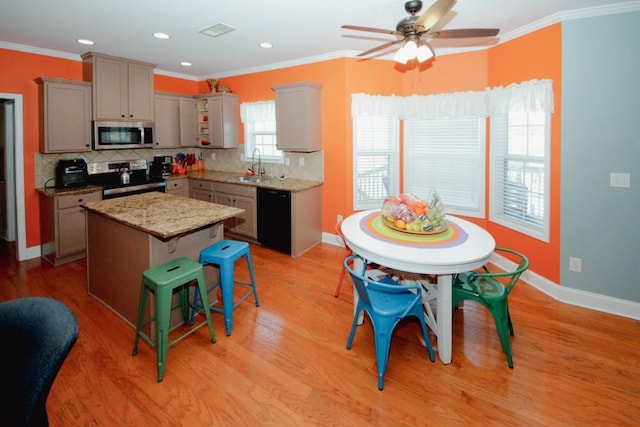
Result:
{"points": [[36, 335]]}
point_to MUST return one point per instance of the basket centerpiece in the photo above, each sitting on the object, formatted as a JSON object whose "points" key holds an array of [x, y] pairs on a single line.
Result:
{"points": [[410, 214]]}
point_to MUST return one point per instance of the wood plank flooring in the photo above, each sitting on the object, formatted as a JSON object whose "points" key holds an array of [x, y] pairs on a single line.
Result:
{"points": [[286, 364]]}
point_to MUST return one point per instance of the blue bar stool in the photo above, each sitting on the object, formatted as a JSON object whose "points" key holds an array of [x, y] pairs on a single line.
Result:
{"points": [[163, 280], [224, 254]]}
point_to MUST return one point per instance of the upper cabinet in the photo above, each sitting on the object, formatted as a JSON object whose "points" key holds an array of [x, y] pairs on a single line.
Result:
{"points": [[218, 120], [175, 123], [167, 124], [65, 115], [188, 122], [122, 88], [298, 117]]}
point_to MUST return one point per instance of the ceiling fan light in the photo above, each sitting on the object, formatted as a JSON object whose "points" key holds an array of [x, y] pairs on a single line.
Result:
{"points": [[411, 49], [424, 53], [400, 56]]}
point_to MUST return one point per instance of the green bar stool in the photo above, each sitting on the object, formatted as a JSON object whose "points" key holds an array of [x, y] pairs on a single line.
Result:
{"points": [[224, 254], [163, 280]]}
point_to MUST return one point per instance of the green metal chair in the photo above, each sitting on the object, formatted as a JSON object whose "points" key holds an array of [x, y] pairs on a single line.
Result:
{"points": [[163, 280], [492, 293]]}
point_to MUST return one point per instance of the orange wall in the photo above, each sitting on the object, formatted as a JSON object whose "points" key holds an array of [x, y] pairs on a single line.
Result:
{"points": [[19, 71], [536, 55]]}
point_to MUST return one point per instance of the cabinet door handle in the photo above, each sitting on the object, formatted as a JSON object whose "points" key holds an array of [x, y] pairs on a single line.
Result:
{"points": [[79, 200]]}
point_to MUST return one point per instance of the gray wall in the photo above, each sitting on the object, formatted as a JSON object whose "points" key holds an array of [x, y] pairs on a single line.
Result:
{"points": [[600, 135]]}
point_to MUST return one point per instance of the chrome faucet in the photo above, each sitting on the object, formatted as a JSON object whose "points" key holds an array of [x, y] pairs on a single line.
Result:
{"points": [[260, 170]]}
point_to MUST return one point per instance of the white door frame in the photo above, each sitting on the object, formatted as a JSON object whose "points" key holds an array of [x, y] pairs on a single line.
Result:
{"points": [[17, 168]]}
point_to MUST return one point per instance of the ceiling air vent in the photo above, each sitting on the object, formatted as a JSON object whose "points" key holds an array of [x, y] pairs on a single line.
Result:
{"points": [[217, 29]]}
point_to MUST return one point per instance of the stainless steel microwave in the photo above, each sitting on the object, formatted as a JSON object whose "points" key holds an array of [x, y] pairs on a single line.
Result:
{"points": [[116, 135]]}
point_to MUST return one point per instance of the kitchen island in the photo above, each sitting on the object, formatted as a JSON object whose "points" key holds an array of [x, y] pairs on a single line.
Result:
{"points": [[128, 235]]}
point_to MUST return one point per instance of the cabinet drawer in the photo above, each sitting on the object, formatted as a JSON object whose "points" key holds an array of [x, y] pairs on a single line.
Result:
{"points": [[236, 189], [176, 184], [74, 200], [198, 184]]}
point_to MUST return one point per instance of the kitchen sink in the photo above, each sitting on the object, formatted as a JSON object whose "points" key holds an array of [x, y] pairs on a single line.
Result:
{"points": [[244, 178]]}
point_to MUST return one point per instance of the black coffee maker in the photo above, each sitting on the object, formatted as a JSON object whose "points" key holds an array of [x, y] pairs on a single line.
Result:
{"points": [[160, 167]]}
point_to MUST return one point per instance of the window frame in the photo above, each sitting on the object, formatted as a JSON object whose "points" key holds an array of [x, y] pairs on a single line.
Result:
{"points": [[362, 130], [472, 186], [269, 130], [500, 138]]}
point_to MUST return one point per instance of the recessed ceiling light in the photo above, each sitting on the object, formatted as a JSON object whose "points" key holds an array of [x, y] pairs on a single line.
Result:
{"points": [[266, 45], [186, 64], [162, 36], [85, 41]]}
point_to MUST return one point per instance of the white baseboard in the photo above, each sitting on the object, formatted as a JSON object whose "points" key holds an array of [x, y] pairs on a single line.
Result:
{"points": [[590, 300]]}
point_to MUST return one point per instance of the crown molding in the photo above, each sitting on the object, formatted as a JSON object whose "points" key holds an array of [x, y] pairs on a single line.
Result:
{"points": [[589, 12]]}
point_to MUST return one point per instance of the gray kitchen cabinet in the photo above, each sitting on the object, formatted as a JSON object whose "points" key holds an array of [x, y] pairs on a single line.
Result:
{"points": [[200, 189], [175, 122], [298, 117], [218, 120], [178, 187], [65, 115], [167, 122], [122, 88], [243, 197], [62, 226], [188, 122]]}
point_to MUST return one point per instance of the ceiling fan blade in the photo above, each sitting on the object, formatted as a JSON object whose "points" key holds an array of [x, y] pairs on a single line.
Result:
{"points": [[381, 47], [372, 30], [463, 33], [434, 14]]}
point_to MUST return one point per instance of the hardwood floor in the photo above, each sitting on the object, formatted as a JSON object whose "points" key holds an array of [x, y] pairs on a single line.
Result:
{"points": [[286, 364]]}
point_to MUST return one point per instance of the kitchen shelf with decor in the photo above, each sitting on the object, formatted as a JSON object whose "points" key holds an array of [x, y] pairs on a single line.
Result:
{"points": [[218, 120]]}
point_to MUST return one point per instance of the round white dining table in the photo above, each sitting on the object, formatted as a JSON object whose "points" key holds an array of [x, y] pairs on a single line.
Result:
{"points": [[464, 246]]}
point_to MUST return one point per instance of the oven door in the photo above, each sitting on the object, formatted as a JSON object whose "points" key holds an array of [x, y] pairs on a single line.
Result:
{"points": [[117, 135]]}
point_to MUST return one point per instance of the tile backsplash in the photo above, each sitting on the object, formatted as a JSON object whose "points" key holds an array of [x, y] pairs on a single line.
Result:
{"points": [[228, 160]]}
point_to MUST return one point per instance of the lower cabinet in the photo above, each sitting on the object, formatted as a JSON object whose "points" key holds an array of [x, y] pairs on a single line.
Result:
{"points": [[200, 189], [290, 222], [242, 197], [178, 187], [62, 226]]}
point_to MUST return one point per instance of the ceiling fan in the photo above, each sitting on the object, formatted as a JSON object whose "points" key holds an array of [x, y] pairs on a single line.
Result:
{"points": [[415, 30]]}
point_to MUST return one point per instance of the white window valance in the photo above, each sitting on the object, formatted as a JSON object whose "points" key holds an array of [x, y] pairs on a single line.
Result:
{"points": [[371, 106], [533, 95], [458, 104], [261, 111]]}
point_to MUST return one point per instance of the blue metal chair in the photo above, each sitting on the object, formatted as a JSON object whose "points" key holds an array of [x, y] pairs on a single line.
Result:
{"points": [[386, 302], [224, 254]]}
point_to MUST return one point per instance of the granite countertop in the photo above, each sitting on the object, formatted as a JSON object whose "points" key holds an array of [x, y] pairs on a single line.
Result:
{"points": [[289, 184], [57, 192], [162, 215]]}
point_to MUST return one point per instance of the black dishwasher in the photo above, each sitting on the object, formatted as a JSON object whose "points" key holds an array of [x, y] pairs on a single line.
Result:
{"points": [[274, 219]]}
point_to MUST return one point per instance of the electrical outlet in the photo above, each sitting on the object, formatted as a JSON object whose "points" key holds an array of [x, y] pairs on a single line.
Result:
{"points": [[287, 162], [622, 180], [575, 264], [339, 218], [213, 156], [301, 161]]}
